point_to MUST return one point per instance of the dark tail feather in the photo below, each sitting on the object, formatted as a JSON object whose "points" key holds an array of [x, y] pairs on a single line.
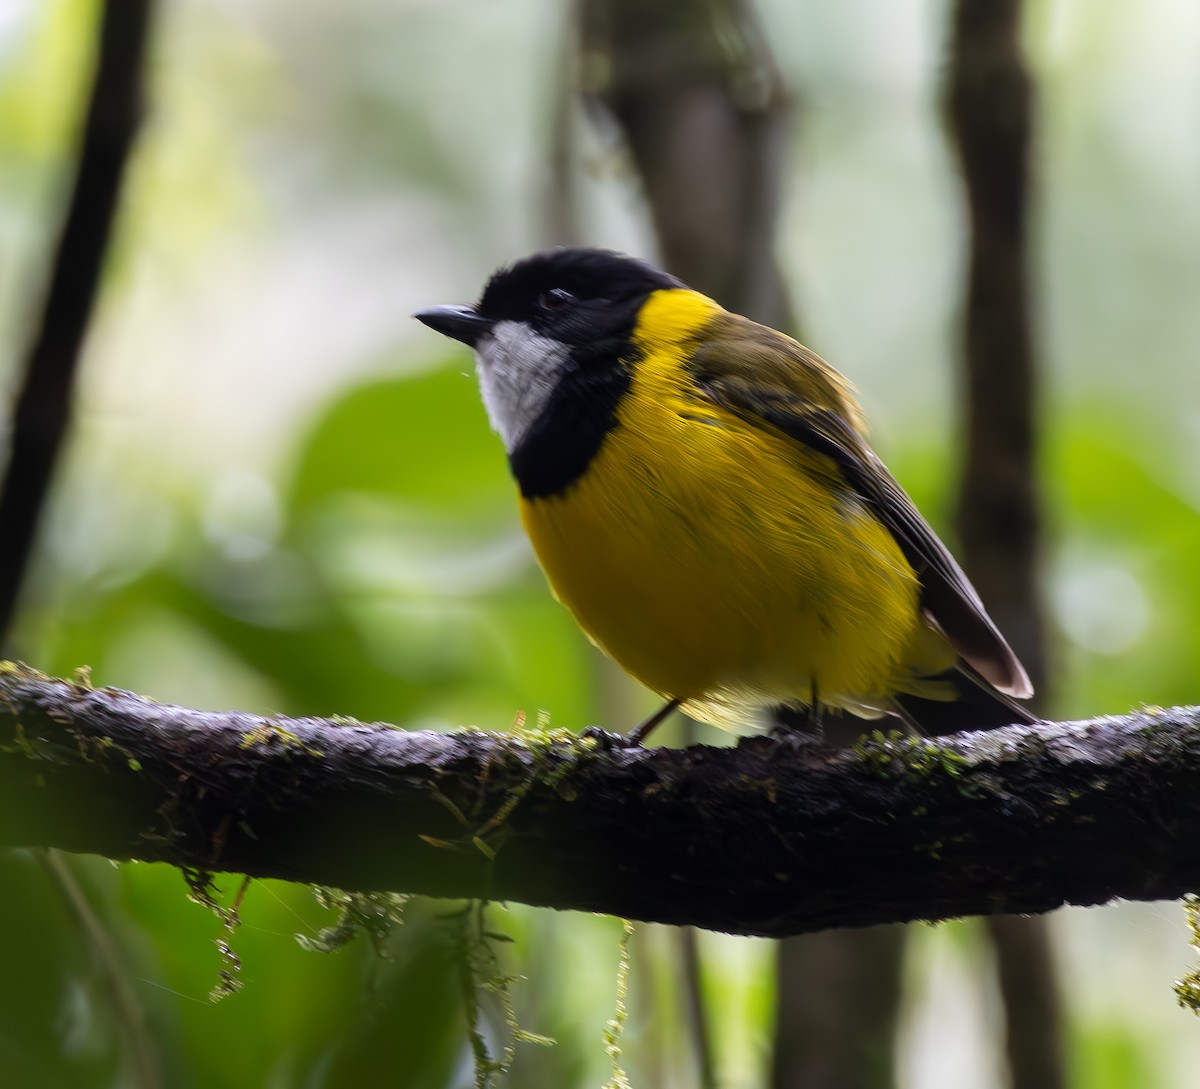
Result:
{"points": [[978, 706]]}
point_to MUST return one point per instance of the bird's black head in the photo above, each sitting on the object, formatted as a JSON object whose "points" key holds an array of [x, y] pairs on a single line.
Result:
{"points": [[576, 296], [580, 297], [553, 340]]}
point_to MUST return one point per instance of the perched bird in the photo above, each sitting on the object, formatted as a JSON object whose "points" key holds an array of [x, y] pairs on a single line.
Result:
{"points": [[700, 495]]}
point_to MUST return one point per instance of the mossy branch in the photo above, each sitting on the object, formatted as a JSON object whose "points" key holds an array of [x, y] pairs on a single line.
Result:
{"points": [[761, 838]]}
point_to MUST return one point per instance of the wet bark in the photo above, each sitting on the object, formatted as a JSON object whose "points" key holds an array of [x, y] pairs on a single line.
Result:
{"points": [[763, 838]]}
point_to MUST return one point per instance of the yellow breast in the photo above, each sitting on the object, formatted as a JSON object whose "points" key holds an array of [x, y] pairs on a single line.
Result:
{"points": [[720, 562]]}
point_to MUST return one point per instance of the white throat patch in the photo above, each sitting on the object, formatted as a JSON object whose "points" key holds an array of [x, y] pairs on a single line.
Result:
{"points": [[517, 371]]}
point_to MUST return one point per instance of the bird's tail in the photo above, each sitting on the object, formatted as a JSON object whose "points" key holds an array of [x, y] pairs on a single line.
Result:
{"points": [[975, 705], [965, 701]]}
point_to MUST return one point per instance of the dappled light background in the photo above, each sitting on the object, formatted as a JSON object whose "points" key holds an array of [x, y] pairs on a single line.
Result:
{"points": [[281, 493]]}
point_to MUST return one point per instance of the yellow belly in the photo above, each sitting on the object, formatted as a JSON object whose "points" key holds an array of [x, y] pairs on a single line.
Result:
{"points": [[712, 561]]}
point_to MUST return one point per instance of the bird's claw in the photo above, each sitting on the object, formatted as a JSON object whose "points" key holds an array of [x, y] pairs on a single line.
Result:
{"points": [[606, 740]]}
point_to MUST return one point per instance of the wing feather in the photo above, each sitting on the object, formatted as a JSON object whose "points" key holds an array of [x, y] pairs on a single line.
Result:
{"points": [[826, 423]]}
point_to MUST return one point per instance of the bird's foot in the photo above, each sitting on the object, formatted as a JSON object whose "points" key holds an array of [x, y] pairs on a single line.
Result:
{"points": [[607, 740]]}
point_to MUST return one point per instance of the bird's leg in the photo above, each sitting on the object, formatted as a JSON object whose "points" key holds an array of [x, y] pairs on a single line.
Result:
{"points": [[639, 733], [608, 741], [800, 726], [816, 715]]}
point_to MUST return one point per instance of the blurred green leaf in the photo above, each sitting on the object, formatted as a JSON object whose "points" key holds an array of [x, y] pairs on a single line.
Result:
{"points": [[423, 438]]}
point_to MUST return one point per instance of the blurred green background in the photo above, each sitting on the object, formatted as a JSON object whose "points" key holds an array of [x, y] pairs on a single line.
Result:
{"points": [[281, 494]]}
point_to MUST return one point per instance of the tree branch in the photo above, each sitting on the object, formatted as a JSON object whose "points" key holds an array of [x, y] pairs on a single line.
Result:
{"points": [[764, 838]]}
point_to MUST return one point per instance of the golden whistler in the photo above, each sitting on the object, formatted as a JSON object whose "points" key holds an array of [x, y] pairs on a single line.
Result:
{"points": [[700, 494]]}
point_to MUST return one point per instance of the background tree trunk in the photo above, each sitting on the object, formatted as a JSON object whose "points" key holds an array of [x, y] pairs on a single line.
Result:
{"points": [[43, 406], [999, 518]]}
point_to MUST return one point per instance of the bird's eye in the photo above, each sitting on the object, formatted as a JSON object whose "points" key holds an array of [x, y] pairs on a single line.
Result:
{"points": [[555, 299]]}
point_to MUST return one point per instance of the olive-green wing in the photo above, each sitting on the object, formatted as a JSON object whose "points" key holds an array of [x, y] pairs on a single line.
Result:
{"points": [[947, 597]]}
